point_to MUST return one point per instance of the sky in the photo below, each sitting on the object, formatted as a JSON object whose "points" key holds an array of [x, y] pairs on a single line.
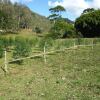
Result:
{"points": [[74, 8]]}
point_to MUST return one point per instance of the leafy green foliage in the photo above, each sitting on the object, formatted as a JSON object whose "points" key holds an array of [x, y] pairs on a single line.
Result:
{"points": [[14, 17], [56, 13], [1, 52], [58, 29], [38, 29], [53, 17], [47, 42], [70, 32], [22, 48], [62, 29], [89, 24], [88, 10], [8, 19], [57, 10], [6, 42]]}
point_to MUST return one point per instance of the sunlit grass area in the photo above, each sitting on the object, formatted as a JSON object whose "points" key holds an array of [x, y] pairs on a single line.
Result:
{"points": [[67, 75]]}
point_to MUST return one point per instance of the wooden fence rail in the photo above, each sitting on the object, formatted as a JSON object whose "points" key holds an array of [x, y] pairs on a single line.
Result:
{"points": [[46, 53]]}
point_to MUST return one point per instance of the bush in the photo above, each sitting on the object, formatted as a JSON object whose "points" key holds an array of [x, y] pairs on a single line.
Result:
{"points": [[1, 52], [62, 29], [58, 29], [47, 42], [38, 30], [70, 31], [22, 48]]}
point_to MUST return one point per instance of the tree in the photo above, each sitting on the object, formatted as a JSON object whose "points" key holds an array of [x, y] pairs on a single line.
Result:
{"points": [[58, 9], [7, 16], [58, 29], [59, 24], [88, 10], [53, 17], [14, 16], [56, 12], [89, 24], [70, 32]]}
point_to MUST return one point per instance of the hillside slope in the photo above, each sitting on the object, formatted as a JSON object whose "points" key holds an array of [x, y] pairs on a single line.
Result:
{"points": [[40, 21]]}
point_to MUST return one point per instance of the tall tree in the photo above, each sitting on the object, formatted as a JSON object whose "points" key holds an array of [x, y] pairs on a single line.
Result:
{"points": [[56, 12], [88, 10], [89, 24]]}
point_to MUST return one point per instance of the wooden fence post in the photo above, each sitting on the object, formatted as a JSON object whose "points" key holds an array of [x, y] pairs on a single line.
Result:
{"points": [[74, 44], [92, 44], [84, 42], [5, 68], [45, 53]]}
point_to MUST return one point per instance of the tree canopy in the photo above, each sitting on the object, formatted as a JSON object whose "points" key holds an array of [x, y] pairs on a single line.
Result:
{"points": [[61, 28], [16, 16], [88, 10], [56, 12], [89, 24]]}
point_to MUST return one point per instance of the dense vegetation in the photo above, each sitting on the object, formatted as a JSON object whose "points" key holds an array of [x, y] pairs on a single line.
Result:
{"points": [[14, 17], [89, 23], [61, 28], [17, 16]]}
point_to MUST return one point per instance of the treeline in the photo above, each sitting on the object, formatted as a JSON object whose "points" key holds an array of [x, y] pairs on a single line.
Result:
{"points": [[14, 17], [87, 25]]}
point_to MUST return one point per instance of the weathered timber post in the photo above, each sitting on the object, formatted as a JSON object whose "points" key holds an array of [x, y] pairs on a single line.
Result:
{"points": [[84, 43], [92, 43], [5, 68], [44, 53], [74, 45]]}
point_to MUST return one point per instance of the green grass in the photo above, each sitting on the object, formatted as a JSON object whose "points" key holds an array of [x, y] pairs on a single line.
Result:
{"points": [[67, 75]]}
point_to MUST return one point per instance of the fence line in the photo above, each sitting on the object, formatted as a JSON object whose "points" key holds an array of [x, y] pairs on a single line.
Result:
{"points": [[45, 53], [45, 60], [41, 54]]}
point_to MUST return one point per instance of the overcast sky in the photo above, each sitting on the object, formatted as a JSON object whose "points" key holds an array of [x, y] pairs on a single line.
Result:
{"points": [[73, 7]]}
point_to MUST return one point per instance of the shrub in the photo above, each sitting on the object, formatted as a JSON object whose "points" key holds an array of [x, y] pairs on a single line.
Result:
{"points": [[62, 29], [22, 49], [38, 29], [1, 52]]}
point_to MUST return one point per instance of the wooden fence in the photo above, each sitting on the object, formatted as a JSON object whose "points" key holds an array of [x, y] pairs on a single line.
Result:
{"points": [[44, 54]]}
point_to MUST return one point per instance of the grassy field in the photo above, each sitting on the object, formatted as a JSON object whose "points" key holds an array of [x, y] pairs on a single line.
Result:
{"points": [[67, 75]]}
